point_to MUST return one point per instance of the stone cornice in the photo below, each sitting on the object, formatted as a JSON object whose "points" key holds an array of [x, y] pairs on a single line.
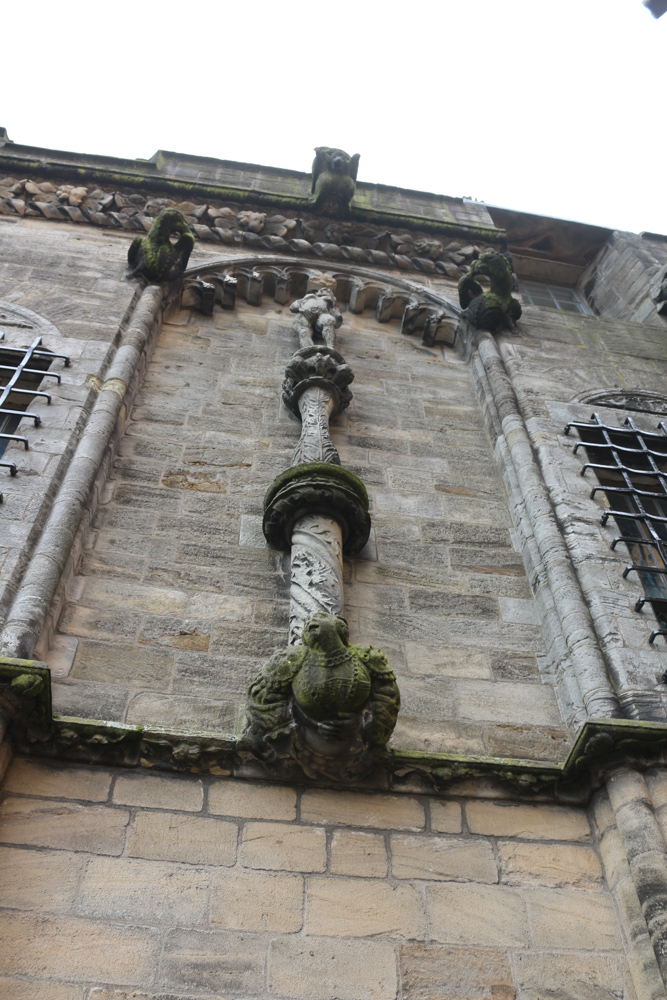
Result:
{"points": [[601, 745]]}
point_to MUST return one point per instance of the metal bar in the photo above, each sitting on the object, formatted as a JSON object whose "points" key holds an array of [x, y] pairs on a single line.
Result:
{"points": [[15, 437]]}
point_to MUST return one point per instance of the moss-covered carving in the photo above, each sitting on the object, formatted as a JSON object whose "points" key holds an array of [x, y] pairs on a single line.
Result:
{"points": [[495, 309], [25, 697], [317, 488], [324, 702], [334, 180], [154, 256]]}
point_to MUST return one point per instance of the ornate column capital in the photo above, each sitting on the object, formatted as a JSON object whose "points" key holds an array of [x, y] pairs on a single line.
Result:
{"points": [[317, 488], [317, 366]]}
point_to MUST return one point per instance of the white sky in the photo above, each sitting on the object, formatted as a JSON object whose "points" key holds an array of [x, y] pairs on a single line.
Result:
{"points": [[548, 106]]}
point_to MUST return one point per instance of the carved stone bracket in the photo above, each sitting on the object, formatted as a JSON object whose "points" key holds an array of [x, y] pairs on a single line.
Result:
{"points": [[322, 488], [420, 310], [25, 697]]}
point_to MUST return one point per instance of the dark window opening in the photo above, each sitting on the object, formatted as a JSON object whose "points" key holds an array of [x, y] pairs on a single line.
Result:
{"points": [[548, 296], [22, 370], [631, 468]]}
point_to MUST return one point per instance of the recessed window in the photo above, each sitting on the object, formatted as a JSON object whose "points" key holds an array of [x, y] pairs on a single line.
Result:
{"points": [[539, 293], [631, 469], [21, 372]]}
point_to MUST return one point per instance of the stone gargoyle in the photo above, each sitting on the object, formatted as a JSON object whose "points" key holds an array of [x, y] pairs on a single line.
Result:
{"points": [[334, 180], [154, 257], [495, 309], [316, 313], [324, 702]]}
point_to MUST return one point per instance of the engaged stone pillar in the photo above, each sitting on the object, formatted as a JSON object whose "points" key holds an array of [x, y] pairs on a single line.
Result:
{"points": [[316, 508]]}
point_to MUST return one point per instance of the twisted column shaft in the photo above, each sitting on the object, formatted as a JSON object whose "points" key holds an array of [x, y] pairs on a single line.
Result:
{"points": [[317, 571]]}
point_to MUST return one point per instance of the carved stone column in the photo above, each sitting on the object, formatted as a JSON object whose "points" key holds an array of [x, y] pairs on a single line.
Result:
{"points": [[316, 388]]}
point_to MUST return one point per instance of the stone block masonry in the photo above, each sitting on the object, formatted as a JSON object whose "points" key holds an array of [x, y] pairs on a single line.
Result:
{"points": [[177, 601], [116, 886]]}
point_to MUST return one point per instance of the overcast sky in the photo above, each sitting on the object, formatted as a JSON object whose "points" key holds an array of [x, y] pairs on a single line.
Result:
{"points": [[550, 107]]}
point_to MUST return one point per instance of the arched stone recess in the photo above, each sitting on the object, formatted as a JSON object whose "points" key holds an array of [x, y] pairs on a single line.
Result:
{"points": [[636, 400], [420, 309]]}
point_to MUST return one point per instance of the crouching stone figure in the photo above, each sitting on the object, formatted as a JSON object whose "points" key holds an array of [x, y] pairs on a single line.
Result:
{"points": [[324, 702]]}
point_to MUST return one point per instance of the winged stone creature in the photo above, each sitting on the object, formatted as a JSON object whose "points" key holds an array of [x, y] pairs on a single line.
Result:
{"points": [[334, 180], [154, 256], [335, 698]]}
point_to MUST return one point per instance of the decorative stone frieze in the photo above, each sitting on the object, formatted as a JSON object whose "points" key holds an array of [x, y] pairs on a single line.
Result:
{"points": [[363, 243], [322, 488], [327, 703], [420, 309], [154, 257]]}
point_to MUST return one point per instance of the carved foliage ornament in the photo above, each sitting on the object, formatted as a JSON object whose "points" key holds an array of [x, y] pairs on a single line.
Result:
{"points": [[317, 366]]}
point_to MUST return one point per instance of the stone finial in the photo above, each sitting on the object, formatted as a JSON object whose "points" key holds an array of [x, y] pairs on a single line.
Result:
{"points": [[495, 309], [324, 702], [334, 180], [154, 257]]}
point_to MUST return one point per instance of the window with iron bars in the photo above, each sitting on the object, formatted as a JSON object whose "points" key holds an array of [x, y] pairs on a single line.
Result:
{"points": [[22, 370], [631, 468]]}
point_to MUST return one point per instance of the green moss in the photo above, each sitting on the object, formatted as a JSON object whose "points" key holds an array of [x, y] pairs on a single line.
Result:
{"points": [[322, 470]]}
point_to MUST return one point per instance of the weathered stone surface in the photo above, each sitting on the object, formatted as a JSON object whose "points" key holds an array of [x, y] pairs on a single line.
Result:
{"points": [[252, 801], [211, 961], [154, 790], [67, 825], [433, 972], [446, 817], [78, 950], [342, 907], [586, 977], [443, 859], [578, 920], [39, 880], [133, 890], [393, 812], [550, 865], [278, 846], [29, 777], [530, 822], [490, 915], [312, 968], [356, 853], [196, 840], [246, 900], [21, 989]]}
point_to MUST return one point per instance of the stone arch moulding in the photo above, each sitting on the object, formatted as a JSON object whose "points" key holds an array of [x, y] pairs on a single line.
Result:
{"points": [[224, 280], [17, 317], [639, 400]]}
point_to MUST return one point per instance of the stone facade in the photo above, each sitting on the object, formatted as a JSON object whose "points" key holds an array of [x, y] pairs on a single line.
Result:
{"points": [[509, 842]]}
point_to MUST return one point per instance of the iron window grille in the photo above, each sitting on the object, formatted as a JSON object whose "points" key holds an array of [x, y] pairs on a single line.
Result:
{"points": [[631, 468], [21, 372], [539, 293]]}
